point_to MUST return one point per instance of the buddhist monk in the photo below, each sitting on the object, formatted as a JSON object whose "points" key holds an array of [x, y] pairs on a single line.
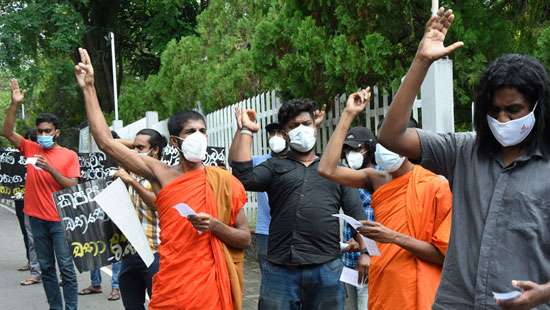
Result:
{"points": [[412, 208], [201, 256]]}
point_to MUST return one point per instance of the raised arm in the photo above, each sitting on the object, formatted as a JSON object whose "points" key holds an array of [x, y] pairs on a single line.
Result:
{"points": [[394, 134], [328, 166], [240, 150], [11, 114], [98, 125]]}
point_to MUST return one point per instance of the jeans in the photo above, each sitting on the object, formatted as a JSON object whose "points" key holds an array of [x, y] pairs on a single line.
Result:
{"points": [[95, 276], [21, 219], [358, 298], [302, 287], [135, 278], [50, 244], [261, 250], [33, 258]]}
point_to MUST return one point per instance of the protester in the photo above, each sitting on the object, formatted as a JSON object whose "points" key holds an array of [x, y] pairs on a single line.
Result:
{"points": [[32, 261], [53, 168], [500, 238], [135, 277], [201, 256], [358, 150], [304, 262], [277, 141], [412, 211]]}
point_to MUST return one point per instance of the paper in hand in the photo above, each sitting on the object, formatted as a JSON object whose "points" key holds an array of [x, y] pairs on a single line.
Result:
{"points": [[507, 296], [32, 161], [372, 248], [350, 276], [184, 210]]}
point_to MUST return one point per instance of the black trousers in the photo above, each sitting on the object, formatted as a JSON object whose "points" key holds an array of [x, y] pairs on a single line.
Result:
{"points": [[134, 279], [21, 219]]}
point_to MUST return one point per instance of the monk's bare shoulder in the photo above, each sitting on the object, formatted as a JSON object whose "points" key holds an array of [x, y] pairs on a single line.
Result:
{"points": [[377, 178]]}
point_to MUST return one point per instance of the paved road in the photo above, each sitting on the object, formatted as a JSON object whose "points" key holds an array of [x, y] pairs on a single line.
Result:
{"points": [[16, 297]]}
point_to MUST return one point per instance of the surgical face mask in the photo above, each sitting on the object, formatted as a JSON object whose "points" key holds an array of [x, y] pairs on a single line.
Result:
{"points": [[354, 160], [193, 147], [512, 132], [277, 144], [387, 160], [47, 142], [302, 138]]}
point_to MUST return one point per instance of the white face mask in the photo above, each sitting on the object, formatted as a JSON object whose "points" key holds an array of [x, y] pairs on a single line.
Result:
{"points": [[388, 160], [302, 138], [512, 132], [194, 147], [277, 144], [354, 160]]}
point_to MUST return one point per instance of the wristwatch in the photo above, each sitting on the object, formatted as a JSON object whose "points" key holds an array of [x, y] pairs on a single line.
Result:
{"points": [[365, 251]]}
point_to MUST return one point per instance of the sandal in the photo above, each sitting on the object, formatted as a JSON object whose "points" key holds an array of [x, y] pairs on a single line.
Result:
{"points": [[30, 281], [90, 290], [25, 267], [115, 295]]}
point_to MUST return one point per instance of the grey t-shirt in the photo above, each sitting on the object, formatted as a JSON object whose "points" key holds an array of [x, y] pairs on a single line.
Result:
{"points": [[501, 220]]}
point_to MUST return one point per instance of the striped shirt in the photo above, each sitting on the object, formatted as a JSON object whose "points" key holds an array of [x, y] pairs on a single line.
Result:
{"points": [[147, 216]]}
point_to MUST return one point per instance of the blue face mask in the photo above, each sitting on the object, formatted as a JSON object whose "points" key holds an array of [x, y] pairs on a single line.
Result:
{"points": [[45, 141]]}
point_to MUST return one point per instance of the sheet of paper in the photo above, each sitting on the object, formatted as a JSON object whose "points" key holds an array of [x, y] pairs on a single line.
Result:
{"points": [[115, 201], [184, 209], [371, 244], [507, 296], [350, 276], [31, 161], [372, 247], [348, 219], [343, 246]]}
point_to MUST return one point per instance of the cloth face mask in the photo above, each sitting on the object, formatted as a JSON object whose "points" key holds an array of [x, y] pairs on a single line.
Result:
{"points": [[512, 132]]}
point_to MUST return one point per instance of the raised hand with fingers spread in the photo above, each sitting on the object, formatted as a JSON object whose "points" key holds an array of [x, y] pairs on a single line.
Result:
{"points": [[431, 47], [84, 71], [16, 94]]}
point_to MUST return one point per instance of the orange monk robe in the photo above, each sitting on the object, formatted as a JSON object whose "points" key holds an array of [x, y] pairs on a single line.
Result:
{"points": [[417, 204], [195, 272]]}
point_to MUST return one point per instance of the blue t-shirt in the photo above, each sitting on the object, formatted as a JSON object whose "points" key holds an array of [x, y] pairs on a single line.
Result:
{"points": [[264, 218]]}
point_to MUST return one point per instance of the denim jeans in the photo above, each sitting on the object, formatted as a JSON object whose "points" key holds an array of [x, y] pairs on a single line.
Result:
{"points": [[50, 244], [135, 278], [302, 287], [95, 276], [357, 298], [261, 250]]}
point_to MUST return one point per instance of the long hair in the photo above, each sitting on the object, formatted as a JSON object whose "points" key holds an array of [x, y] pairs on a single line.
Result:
{"points": [[529, 77]]}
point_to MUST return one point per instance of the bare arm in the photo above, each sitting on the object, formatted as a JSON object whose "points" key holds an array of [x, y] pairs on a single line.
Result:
{"points": [[236, 143], [421, 249], [11, 115], [328, 166], [236, 237], [98, 125], [394, 133], [146, 195]]}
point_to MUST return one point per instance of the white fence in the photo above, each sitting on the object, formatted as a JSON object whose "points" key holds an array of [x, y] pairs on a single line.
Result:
{"points": [[222, 125]]}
